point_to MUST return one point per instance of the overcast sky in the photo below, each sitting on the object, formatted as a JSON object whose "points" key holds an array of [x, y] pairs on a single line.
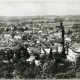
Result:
{"points": [[39, 7]]}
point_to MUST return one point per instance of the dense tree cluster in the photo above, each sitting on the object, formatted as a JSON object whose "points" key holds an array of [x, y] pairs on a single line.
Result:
{"points": [[14, 64]]}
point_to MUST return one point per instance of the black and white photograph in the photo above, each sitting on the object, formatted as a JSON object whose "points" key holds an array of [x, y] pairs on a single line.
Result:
{"points": [[39, 39]]}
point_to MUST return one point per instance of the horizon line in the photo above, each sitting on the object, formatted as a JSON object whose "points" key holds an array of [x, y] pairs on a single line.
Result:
{"points": [[40, 15]]}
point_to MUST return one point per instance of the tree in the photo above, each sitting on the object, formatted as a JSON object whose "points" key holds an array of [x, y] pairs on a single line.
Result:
{"points": [[58, 19], [77, 67], [63, 41], [22, 52]]}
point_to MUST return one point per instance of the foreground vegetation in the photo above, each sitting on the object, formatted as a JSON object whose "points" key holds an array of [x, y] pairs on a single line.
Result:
{"points": [[51, 67]]}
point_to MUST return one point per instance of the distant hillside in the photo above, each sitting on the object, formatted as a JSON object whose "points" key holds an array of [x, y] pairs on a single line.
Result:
{"points": [[44, 18]]}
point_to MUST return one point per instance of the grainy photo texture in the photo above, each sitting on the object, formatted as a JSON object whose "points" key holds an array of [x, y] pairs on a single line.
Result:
{"points": [[40, 39]]}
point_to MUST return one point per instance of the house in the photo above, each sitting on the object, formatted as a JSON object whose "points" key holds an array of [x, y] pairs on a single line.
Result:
{"points": [[73, 51], [57, 34], [37, 41], [67, 38], [6, 42], [28, 31], [35, 29], [47, 50], [7, 36], [40, 31], [58, 47], [37, 62], [29, 50], [72, 55], [1, 36], [18, 37], [11, 27], [32, 58]]}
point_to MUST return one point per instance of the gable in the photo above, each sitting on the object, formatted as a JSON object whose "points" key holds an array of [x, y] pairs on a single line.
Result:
{"points": [[75, 47], [72, 55]]}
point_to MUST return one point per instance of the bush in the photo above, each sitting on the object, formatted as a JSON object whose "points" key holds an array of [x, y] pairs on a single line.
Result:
{"points": [[78, 75]]}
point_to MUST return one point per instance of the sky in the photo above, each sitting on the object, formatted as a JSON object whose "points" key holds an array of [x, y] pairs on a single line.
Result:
{"points": [[39, 7]]}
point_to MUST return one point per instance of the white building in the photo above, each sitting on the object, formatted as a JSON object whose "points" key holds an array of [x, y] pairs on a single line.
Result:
{"points": [[57, 34], [7, 36], [73, 51], [18, 37]]}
